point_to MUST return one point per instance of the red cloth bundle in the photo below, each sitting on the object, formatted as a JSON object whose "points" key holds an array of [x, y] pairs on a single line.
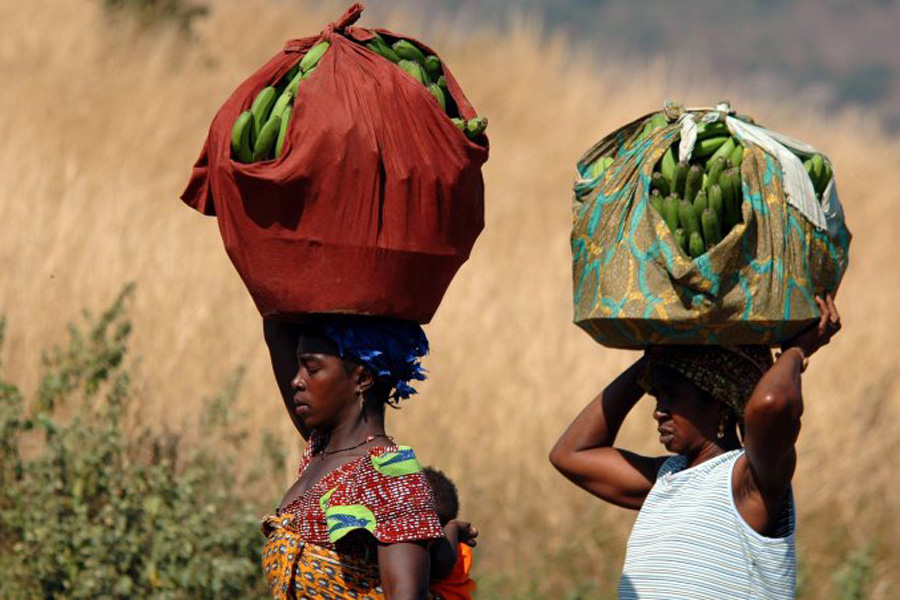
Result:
{"points": [[375, 201]]}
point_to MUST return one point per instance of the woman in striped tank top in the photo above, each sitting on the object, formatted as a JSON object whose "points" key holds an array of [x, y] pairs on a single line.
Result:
{"points": [[716, 517]]}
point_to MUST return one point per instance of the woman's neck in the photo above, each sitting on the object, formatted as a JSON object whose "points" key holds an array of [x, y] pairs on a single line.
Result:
{"points": [[354, 431], [711, 449]]}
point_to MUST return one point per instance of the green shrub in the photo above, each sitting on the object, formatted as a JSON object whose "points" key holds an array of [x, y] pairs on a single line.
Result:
{"points": [[95, 504]]}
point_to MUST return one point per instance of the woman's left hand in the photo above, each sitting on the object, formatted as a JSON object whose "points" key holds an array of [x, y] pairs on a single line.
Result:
{"points": [[816, 336]]}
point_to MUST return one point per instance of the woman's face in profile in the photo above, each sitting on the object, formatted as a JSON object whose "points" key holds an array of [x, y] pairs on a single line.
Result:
{"points": [[685, 417], [324, 387]]}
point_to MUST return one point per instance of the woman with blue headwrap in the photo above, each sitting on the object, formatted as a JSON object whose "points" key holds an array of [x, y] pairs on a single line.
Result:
{"points": [[360, 519]]}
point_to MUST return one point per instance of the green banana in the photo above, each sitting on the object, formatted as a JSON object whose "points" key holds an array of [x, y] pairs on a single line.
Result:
{"points": [[700, 202], [708, 146], [724, 150], [730, 200], [695, 245], [670, 211], [714, 129], [261, 109], [265, 141], [438, 94], [660, 183], [737, 156], [667, 165], [282, 131], [693, 182], [312, 57], [460, 123], [283, 100], [476, 126], [818, 170], [714, 200], [681, 240], [656, 201], [406, 50], [433, 66], [681, 173], [712, 233], [240, 137], [714, 169], [658, 120], [827, 174], [295, 83], [378, 46], [687, 217], [414, 69]]}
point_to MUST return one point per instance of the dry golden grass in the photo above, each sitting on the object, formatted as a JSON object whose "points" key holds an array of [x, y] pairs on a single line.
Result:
{"points": [[101, 126]]}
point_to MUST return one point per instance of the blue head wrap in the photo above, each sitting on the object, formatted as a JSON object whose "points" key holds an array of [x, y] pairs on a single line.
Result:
{"points": [[390, 348]]}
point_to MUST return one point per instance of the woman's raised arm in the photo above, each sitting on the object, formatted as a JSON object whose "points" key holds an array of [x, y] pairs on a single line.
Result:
{"points": [[585, 453], [772, 415], [282, 338]]}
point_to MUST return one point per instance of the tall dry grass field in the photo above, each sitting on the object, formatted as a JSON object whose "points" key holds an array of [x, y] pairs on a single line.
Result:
{"points": [[101, 124]]}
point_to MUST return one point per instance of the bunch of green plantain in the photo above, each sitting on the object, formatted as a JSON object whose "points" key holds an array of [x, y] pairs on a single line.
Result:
{"points": [[427, 70], [259, 133], [701, 200]]}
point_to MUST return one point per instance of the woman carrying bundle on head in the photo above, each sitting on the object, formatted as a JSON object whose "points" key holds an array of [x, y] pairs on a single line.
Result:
{"points": [[359, 520], [716, 519]]}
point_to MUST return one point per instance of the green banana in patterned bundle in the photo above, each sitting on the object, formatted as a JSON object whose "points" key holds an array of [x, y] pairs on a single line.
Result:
{"points": [[240, 137], [312, 57], [714, 129], [712, 233], [693, 182], [827, 174], [667, 166], [658, 182], [656, 201], [700, 202], [714, 169], [687, 217], [261, 108], [658, 120], [681, 239], [414, 69], [433, 66], [737, 156], [730, 200], [714, 200], [708, 146], [406, 50], [681, 173], [286, 114], [265, 141], [696, 247], [670, 211], [724, 150]]}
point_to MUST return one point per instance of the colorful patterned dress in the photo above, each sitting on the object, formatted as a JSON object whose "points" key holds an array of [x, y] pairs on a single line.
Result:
{"points": [[316, 546]]}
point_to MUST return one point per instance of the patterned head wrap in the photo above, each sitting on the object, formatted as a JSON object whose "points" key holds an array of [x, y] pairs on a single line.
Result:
{"points": [[389, 348], [728, 374]]}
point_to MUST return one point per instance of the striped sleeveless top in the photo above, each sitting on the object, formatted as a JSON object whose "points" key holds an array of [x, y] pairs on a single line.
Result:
{"points": [[689, 541]]}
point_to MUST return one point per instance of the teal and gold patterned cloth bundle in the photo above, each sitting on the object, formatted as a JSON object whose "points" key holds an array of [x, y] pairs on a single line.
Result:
{"points": [[638, 282]]}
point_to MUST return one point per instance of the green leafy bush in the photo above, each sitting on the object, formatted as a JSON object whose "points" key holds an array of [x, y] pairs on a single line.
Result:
{"points": [[95, 504]]}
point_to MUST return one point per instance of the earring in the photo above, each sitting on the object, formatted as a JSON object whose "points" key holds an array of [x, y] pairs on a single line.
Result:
{"points": [[721, 432], [362, 399]]}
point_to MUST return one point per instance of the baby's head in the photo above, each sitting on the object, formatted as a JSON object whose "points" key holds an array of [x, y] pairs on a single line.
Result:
{"points": [[445, 495]]}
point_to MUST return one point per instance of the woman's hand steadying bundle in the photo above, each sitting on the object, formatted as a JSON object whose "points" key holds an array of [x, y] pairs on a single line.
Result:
{"points": [[813, 338]]}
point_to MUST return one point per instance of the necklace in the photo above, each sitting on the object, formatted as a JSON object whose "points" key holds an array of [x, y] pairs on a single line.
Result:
{"points": [[368, 439]]}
